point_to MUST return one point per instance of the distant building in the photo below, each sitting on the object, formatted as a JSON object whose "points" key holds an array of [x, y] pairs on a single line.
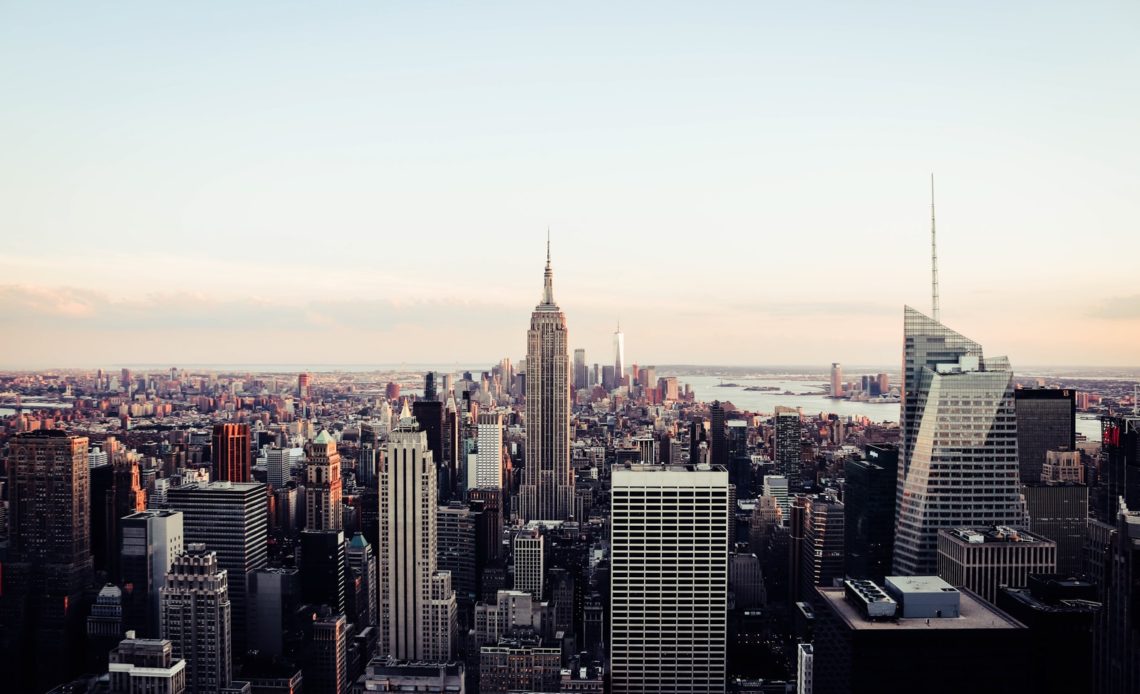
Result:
{"points": [[869, 505], [196, 618], [982, 559], [1046, 420], [836, 380], [230, 450], [788, 454], [668, 589]]}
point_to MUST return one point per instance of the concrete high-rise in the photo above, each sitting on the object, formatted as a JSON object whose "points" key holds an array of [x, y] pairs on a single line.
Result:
{"points": [[1120, 466], [196, 618], [145, 666], [958, 463], [718, 437], [547, 490], [836, 380], [416, 602], [487, 473], [669, 579], [230, 518], [362, 567], [323, 486], [149, 542], [229, 448], [49, 557], [528, 559], [982, 559]]}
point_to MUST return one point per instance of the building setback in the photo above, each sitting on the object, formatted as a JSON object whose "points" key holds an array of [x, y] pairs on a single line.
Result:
{"points": [[982, 559]]}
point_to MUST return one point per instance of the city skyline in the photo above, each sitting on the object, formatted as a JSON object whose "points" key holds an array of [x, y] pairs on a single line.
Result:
{"points": [[202, 177]]}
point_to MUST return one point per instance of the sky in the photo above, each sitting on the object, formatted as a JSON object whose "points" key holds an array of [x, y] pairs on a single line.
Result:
{"points": [[737, 183]]}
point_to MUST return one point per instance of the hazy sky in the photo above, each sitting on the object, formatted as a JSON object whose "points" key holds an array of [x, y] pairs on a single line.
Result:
{"points": [[736, 182]]}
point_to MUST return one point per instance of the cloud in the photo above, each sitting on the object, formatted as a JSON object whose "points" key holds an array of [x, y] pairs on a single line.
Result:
{"points": [[1118, 308]]}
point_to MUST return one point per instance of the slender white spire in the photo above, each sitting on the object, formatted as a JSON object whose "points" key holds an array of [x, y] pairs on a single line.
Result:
{"points": [[548, 276], [933, 256]]}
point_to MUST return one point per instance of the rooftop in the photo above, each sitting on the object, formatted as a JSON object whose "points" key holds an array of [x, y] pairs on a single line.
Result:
{"points": [[974, 614], [997, 533]]}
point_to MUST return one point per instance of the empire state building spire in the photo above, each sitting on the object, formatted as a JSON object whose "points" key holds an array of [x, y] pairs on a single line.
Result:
{"points": [[548, 279]]}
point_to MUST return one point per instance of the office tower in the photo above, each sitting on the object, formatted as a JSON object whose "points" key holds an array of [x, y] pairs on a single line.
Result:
{"points": [[776, 487], [231, 519], [788, 455], [487, 473], [982, 559], [303, 381], [581, 376], [49, 557], [491, 501], [458, 554], [274, 596], [718, 439], [697, 436], [805, 654], [669, 579], [884, 384], [1119, 466], [104, 624], [1063, 467], [148, 543], [277, 462], [869, 504], [362, 567], [1059, 611], [392, 391], [1046, 421], [1116, 631], [229, 447], [958, 458], [322, 565], [528, 559], [619, 356], [745, 580], [919, 635], [822, 555], [547, 490], [417, 605], [326, 657], [323, 509], [1059, 511], [836, 380], [145, 666], [196, 618], [607, 378]]}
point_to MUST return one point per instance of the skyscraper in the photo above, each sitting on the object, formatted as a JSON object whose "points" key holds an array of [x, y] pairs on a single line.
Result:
{"points": [[487, 473], [149, 542], [547, 490], [836, 380], [362, 566], [528, 558], [669, 579], [869, 505], [1046, 421], [229, 447], [788, 454], [718, 438], [323, 509], [619, 356], [231, 519], [417, 605], [581, 375], [959, 442], [1120, 466], [196, 618], [145, 666], [49, 557]]}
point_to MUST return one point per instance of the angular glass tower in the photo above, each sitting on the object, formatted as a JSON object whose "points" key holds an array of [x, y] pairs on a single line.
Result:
{"points": [[959, 442]]}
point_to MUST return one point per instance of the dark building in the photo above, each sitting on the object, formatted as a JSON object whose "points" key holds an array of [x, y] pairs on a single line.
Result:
{"points": [[230, 451], [869, 505], [490, 503], [697, 436], [1116, 633], [230, 518], [429, 415], [1046, 420], [1059, 611], [1060, 512], [718, 437], [1120, 466], [102, 485], [323, 568], [456, 551], [859, 649], [821, 558], [49, 559]]}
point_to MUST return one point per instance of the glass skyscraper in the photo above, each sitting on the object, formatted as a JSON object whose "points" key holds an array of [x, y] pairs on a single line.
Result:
{"points": [[959, 442]]}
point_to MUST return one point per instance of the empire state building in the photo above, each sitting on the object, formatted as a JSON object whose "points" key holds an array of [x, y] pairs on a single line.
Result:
{"points": [[547, 491]]}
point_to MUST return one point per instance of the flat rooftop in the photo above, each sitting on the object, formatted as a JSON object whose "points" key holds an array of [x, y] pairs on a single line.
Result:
{"points": [[975, 614], [993, 534], [921, 584]]}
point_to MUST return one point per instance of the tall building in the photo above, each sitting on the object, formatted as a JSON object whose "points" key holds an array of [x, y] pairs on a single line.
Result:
{"points": [[303, 381], [487, 472], [869, 504], [326, 658], [323, 508], [196, 618], [1059, 511], [822, 555], [619, 356], [776, 487], [230, 449], [1119, 466], [718, 437], [429, 415], [362, 566], [581, 375], [145, 666], [148, 541], [1116, 635], [958, 463], [547, 490], [669, 579], [231, 519], [982, 559], [1046, 421], [322, 568], [416, 603], [788, 454], [277, 462], [528, 558], [49, 557], [836, 380]]}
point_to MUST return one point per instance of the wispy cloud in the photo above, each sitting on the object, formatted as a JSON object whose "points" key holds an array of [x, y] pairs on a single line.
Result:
{"points": [[1118, 308]]}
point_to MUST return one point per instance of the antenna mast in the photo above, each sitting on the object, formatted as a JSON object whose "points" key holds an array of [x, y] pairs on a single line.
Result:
{"points": [[933, 254]]}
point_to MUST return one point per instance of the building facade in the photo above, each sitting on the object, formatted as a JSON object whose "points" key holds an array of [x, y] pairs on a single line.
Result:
{"points": [[983, 559], [195, 618]]}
